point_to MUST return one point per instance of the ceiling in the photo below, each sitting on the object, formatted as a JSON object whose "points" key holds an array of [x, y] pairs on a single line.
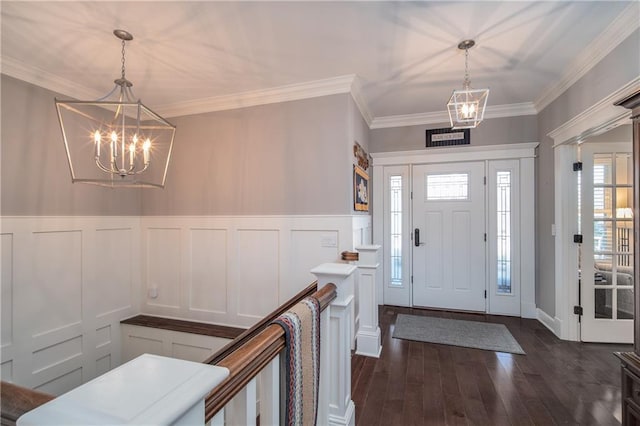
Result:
{"points": [[404, 54]]}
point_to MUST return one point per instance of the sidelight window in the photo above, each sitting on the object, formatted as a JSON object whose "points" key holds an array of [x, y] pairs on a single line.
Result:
{"points": [[395, 196], [503, 209]]}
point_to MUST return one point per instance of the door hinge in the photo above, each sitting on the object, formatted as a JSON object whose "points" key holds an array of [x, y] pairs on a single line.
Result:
{"points": [[485, 294], [577, 310], [485, 236], [577, 238], [577, 166], [485, 180], [411, 279], [412, 195]]}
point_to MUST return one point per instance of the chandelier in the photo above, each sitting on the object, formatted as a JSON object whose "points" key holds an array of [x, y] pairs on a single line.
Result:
{"points": [[466, 106], [116, 141]]}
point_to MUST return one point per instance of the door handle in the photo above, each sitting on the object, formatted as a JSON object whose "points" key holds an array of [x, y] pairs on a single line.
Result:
{"points": [[416, 238]]}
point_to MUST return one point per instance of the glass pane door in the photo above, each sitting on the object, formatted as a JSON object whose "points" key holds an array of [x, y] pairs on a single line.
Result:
{"points": [[607, 223]]}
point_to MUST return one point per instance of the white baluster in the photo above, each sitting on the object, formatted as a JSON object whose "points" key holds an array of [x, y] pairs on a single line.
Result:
{"points": [[241, 410], [218, 419], [270, 393], [368, 333]]}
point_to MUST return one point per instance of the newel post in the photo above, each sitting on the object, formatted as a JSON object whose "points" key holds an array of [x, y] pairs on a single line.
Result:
{"points": [[335, 404], [368, 333]]}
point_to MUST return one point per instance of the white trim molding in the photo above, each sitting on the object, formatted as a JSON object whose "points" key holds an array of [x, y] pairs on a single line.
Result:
{"points": [[360, 100], [39, 77], [444, 155], [621, 28], [599, 118], [553, 324], [291, 92]]}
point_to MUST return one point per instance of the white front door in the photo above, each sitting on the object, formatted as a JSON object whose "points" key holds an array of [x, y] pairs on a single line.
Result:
{"points": [[606, 260], [449, 236]]}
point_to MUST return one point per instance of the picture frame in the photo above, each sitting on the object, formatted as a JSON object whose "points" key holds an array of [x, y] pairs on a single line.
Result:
{"points": [[360, 189]]}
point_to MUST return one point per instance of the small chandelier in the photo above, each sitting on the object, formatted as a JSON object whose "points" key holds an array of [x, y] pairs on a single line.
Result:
{"points": [[116, 141], [466, 106]]}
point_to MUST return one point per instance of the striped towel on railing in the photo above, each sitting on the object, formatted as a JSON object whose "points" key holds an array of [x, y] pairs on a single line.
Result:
{"points": [[301, 326]]}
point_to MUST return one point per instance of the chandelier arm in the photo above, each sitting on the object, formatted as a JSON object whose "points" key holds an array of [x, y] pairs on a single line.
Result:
{"points": [[146, 166], [102, 167], [108, 95], [128, 91]]}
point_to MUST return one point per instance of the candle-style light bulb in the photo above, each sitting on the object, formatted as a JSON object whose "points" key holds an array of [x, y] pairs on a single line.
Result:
{"points": [[114, 144], [132, 153], [96, 139], [145, 150]]}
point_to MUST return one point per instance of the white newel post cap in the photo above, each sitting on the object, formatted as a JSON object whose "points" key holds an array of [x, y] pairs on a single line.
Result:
{"points": [[150, 389], [341, 274], [368, 255]]}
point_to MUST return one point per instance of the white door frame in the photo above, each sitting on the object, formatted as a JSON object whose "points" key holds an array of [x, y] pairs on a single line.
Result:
{"points": [[600, 118], [525, 152]]}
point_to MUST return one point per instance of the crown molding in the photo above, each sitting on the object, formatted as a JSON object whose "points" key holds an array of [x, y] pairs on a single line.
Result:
{"points": [[359, 99], [602, 116], [621, 28], [440, 117], [39, 77], [291, 92]]}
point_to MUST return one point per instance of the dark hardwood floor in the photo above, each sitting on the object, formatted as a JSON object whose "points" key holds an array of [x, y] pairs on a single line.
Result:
{"points": [[555, 383]]}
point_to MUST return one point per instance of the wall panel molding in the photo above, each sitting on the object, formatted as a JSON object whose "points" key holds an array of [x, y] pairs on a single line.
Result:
{"points": [[250, 264], [71, 280]]}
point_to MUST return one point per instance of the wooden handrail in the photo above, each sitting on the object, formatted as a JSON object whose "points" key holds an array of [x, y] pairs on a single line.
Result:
{"points": [[246, 361], [261, 325], [16, 400]]}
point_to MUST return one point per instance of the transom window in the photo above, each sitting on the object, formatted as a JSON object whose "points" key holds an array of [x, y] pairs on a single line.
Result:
{"points": [[450, 186]]}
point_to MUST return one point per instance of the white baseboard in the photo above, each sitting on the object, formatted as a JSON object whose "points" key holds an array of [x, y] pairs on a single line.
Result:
{"points": [[553, 324]]}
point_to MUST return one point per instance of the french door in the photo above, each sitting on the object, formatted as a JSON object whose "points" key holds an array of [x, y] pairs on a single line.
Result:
{"points": [[606, 261], [449, 236]]}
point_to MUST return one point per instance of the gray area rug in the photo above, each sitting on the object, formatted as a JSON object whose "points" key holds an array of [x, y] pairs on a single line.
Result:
{"points": [[470, 334]]}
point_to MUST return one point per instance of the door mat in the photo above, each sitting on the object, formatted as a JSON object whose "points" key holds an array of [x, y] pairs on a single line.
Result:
{"points": [[470, 334]]}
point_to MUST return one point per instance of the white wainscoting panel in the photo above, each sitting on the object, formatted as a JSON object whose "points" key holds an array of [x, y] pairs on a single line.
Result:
{"points": [[257, 259], [6, 301], [66, 284], [232, 270], [114, 266], [208, 284], [56, 280], [162, 255], [137, 340]]}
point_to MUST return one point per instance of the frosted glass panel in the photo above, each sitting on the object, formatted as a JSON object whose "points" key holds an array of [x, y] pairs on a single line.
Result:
{"points": [[452, 186], [503, 228], [395, 196]]}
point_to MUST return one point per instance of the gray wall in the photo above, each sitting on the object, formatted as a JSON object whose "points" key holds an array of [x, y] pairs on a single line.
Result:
{"points": [[614, 71], [35, 175], [490, 132], [285, 158]]}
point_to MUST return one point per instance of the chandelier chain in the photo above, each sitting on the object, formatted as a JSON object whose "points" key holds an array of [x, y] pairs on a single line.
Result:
{"points": [[123, 42], [467, 81]]}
